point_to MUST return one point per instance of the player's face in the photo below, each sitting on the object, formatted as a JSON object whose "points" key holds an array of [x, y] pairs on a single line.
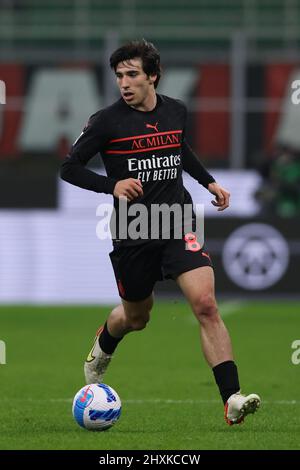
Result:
{"points": [[137, 88]]}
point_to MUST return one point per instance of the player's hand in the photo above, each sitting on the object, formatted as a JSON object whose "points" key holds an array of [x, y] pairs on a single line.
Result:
{"points": [[130, 189], [222, 196]]}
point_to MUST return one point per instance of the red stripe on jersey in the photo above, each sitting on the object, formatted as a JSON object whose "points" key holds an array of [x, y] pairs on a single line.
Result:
{"points": [[148, 149]]}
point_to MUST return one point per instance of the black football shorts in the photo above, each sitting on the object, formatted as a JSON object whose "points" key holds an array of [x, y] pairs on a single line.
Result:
{"points": [[138, 267]]}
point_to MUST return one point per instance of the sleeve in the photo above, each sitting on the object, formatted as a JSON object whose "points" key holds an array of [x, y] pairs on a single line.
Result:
{"points": [[84, 148], [192, 165]]}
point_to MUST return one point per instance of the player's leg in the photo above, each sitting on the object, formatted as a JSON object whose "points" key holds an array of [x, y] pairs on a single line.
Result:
{"points": [[130, 316], [127, 317], [136, 271], [198, 287]]}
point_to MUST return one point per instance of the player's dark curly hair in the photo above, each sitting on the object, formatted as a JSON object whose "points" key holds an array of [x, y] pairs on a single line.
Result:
{"points": [[139, 49]]}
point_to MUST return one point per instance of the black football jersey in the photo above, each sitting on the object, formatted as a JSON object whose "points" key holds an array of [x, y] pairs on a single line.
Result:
{"points": [[149, 146]]}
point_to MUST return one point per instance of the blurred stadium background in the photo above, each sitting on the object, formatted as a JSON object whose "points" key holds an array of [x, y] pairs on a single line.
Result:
{"points": [[233, 62]]}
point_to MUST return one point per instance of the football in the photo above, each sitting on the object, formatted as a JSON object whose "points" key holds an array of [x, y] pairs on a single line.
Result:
{"points": [[96, 407]]}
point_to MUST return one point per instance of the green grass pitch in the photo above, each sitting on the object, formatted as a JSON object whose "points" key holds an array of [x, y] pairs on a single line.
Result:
{"points": [[168, 393]]}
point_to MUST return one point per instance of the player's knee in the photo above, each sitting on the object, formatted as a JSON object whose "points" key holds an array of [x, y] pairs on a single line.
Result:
{"points": [[117, 312], [205, 308], [137, 315], [139, 323]]}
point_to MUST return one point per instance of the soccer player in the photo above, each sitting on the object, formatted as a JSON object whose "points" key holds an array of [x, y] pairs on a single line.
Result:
{"points": [[141, 139]]}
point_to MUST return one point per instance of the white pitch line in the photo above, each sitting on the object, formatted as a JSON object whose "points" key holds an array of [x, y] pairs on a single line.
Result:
{"points": [[230, 307], [168, 401], [226, 309]]}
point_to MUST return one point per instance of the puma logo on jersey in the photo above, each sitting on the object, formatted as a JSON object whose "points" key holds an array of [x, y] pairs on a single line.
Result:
{"points": [[152, 126]]}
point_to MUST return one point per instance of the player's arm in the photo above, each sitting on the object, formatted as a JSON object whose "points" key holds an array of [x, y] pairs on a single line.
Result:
{"points": [[85, 147], [129, 188], [193, 167]]}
